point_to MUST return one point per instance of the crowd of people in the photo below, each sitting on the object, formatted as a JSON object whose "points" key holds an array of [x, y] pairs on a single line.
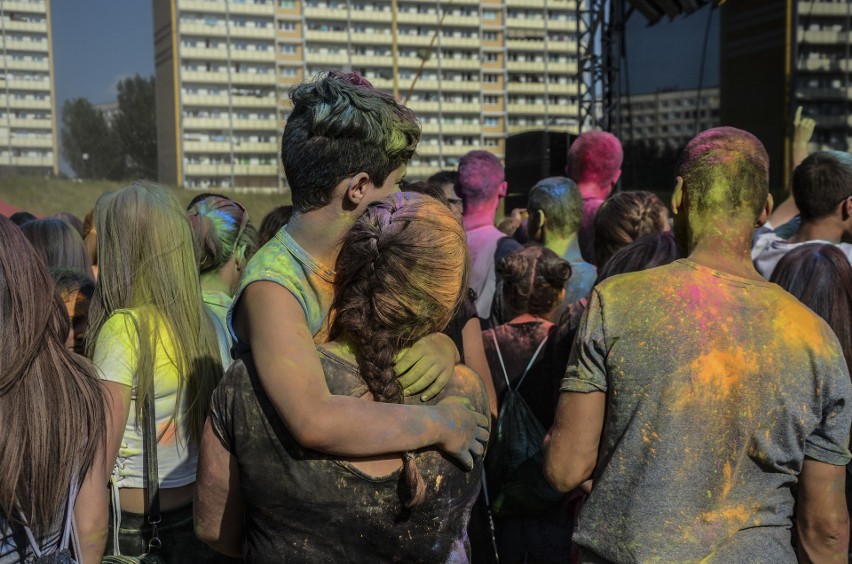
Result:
{"points": [[384, 372]]}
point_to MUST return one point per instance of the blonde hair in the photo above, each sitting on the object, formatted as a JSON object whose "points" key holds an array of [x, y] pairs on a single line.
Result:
{"points": [[147, 263]]}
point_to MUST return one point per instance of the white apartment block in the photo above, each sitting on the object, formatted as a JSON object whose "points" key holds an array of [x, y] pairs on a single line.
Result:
{"points": [[27, 102], [823, 70], [489, 69], [669, 118]]}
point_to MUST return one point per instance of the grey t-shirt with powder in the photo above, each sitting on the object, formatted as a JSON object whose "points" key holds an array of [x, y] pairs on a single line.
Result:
{"points": [[717, 388]]}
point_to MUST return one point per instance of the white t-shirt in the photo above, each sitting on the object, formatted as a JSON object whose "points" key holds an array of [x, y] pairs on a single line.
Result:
{"points": [[769, 249], [115, 357]]}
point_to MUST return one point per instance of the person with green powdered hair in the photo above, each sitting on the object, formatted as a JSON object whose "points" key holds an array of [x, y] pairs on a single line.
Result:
{"points": [[345, 145], [225, 240]]}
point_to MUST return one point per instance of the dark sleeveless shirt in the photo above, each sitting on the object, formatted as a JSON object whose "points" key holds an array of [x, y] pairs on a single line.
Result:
{"points": [[304, 506]]}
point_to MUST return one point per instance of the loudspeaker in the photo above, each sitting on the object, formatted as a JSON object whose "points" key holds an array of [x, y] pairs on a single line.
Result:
{"points": [[530, 157], [755, 58]]}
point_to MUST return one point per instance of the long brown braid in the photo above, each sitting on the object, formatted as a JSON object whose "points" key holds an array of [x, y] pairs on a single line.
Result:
{"points": [[400, 275]]}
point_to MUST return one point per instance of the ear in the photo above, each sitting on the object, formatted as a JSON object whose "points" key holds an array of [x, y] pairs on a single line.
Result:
{"points": [[240, 257], [357, 189], [501, 192], [846, 209], [767, 211], [538, 221], [677, 195]]}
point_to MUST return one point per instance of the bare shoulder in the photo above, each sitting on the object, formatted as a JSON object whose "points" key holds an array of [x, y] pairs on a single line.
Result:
{"points": [[466, 383]]}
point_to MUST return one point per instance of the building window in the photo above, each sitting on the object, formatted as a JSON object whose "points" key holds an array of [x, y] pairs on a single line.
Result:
{"points": [[288, 49], [489, 36], [287, 3], [287, 26], [491, 122], [489, 99], [489, 14], [492, 78], [289, 71]]}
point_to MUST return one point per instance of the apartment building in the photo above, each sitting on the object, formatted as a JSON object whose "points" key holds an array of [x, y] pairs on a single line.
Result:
{"points": [[473, 72], [27, 101], [823, 70], [669, 118]]}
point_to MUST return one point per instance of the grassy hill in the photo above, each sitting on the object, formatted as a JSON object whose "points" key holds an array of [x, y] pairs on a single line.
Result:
{"points": [[45, 196]]}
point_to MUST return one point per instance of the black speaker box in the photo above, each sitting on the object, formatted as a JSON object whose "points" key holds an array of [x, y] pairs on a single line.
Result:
{"points": [[530, 157]]}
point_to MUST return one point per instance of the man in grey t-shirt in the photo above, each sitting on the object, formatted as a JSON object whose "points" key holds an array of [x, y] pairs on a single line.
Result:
{"points": [[699, 394]]}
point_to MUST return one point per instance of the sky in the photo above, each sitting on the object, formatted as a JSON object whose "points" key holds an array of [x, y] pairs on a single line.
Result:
{"points": [[668, 54]]}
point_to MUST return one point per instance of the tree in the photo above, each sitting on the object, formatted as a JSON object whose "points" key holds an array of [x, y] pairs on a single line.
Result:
{"points": [[88, 144], [135, 126]]}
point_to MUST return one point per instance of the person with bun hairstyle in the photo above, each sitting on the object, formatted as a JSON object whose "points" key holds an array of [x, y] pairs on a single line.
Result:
{"points": [[225, 240], [532, 351], [266, 498]]}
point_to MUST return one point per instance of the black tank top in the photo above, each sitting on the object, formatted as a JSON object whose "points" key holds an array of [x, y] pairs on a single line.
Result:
{"points": [[304, 506]]}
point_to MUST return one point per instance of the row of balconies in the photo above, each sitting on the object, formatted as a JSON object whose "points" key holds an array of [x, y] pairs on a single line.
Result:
{"points": [[226, 147], [227, 31], [29, 46], [473, 43], [223, 77], [26, 142], [541, 109], [825, 93], [27, 123], [221, 7], [222, 54], [25, 103], [222, 101], [445, 63], [25, 84], [428, 150], [817, 8], [528, 127], [30, 7], [227, 123], [839, 66], [826, 37], [228, 169], [9, 160], [16, 64], [31, 27]]}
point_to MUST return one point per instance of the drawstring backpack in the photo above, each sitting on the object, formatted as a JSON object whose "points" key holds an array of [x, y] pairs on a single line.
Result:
{"points": [[515, 463]]}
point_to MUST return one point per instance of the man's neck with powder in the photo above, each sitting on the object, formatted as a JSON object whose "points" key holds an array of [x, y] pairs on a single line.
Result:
{"points": [[723, 247], [480, 215], [320, 232], [594, 191]]}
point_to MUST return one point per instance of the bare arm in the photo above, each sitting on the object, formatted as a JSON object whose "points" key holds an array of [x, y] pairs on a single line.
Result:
{"points": [[118, 409], [571, 447], [290, 371], [474, 358], [803, 130], [822, 519], [91, 511], [218, 505]]}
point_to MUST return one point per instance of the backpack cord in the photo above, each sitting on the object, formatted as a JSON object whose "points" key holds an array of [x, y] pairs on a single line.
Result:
{"points": [[529, 366]]}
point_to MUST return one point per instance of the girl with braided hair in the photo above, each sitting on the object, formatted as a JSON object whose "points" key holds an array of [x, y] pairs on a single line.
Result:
{"points": [[400, 275], [625, 217]]}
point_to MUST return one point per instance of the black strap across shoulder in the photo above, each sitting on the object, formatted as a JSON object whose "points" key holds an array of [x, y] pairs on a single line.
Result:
{"points": [[152, 481]]}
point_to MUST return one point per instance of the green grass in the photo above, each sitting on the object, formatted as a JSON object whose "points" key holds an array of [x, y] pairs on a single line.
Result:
{"points": [[45, 196]]}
